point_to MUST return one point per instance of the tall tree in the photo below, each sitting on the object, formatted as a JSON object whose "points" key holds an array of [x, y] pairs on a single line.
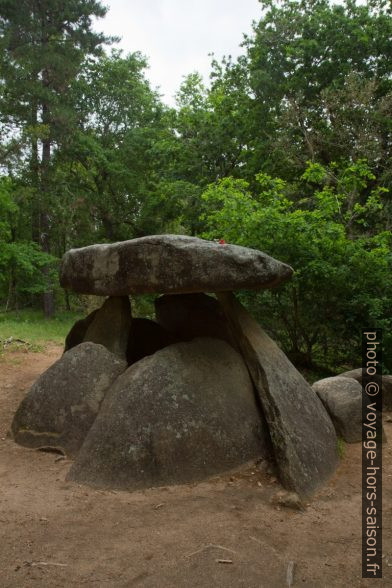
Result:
{"points": [[113, 165], [43, 46], [306, 59], [341, 255]]}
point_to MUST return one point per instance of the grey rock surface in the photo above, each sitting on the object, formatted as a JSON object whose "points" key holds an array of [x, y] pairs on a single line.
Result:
{"points": [[302, 433], [78, 332], [386, 386], [62, 404], [178, 416], [355, 374], [111, 325], [342, 397], [168, 264]]}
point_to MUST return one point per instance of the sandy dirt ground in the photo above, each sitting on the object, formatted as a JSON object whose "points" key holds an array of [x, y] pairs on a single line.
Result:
{"points": [[223, 532]]}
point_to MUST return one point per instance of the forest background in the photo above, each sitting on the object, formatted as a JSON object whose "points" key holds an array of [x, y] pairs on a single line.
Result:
{"points": [[287, 150]]}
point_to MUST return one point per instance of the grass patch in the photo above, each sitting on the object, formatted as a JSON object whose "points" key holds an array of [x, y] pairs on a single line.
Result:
{"points": [[341, 447], [31, 327]]}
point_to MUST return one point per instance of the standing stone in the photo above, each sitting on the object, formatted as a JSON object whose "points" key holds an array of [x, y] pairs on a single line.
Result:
{"points": [[78, 331], [302, 433], [111, 325], [185, 413], [62, 404], [342, 397], [188, 316], [168, 264]]}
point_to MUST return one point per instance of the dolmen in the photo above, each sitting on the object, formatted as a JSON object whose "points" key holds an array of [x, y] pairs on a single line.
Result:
{"points": [[198, 391]]}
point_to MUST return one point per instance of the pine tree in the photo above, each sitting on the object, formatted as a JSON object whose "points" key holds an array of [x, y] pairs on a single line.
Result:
{"points": [[43, 45]]}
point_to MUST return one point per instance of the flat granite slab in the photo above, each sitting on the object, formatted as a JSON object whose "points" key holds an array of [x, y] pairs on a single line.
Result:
{"points": [[168, 264]]}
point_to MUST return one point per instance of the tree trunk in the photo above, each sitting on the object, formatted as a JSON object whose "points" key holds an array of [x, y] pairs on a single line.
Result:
{"points": [[67, 301], [11, 299], [48, 297], [34, 170]]}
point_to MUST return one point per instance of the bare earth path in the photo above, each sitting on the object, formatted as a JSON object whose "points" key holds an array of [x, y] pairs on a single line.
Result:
{"points": [[54, 533]]}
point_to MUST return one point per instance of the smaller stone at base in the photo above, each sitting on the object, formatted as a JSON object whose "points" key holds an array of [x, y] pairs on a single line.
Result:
{"points": [[62, 404]]}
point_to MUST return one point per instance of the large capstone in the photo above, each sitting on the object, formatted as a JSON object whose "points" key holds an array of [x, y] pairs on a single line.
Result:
{"points": [[168, 264], [302, 433], [180, 415], [62, 404]]}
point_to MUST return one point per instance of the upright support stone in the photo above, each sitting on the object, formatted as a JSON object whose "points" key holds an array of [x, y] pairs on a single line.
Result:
{"points": [[302, 433], [78, 331], [111, 325]]}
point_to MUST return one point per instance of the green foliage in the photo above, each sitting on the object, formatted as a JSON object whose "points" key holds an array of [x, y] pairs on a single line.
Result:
{"points": [[143, 306], [341, 447], [342, 279], [8, 208], [31, 327], [108, 169], [320, 84], [21, 260], [287, 150], [42, 49]]}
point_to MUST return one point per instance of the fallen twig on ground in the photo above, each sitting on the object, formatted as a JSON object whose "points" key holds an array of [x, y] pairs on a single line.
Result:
{"points": [[211, 546], [44, 563], [290, 573]]}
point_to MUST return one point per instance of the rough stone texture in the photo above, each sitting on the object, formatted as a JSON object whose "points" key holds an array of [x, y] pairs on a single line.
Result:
{"points": [[342, 397], [302, 433], [355, 374], [147, 337], [62, 404], [168, 264], [78, 331], [192, 315], [185, 413], [386, 386], [111, 325]]}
